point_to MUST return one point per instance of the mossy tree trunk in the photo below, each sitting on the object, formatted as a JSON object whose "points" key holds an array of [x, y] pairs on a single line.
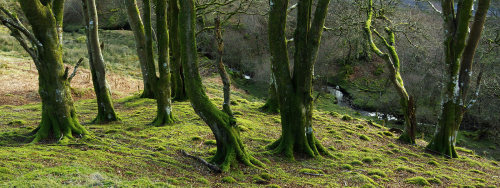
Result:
{"points": [[272, 104], [295, 91], [59, 119], [144, 41], [178, 89], [105, 110], [230, 148], [226, 81], [392, 60], [460, 46], [137, 27]]}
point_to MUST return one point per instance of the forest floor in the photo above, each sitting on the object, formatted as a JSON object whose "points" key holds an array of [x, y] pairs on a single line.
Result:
{"points": [[133, 153]]}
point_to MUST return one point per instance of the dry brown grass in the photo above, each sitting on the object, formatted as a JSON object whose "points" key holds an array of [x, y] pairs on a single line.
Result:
{"points": [[19, 83]]}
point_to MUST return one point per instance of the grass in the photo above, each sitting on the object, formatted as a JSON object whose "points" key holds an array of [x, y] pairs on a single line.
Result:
{"points": [[131, 153]]}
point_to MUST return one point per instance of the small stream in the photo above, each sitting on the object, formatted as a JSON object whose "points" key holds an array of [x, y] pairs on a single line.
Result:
{"points": [[345, 101]]}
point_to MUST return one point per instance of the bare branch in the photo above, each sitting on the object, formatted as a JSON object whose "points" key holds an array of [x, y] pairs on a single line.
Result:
{"points": [[434, 8], [212, 167], [291, 8], [74, 70]]}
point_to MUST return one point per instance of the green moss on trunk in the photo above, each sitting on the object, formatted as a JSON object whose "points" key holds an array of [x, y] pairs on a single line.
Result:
{"points": [[230, 148]]}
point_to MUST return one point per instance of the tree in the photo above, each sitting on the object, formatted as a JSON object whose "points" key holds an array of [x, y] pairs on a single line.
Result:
{"points": [[460, 47], [226, 81], [272, 104], [144, 41], [230, 148], [105, 110], [392, 60], [44, 45], [137, 27], [295, 90], [178, 89]]}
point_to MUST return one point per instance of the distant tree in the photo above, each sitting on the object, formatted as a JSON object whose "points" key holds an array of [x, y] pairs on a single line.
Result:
{"points": [[230, 148], [44, 45], [105, 110], [295, 89], [460, 45], [226, 81], [143, 33], [272, 103], [393, 64]]}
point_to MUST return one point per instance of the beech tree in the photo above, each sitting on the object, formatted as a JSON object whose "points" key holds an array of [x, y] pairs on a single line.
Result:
{"points": [[230, 148], [144, 41], [44, 45], [105, 110], [459, 46], [294, 89], [393, 64]]}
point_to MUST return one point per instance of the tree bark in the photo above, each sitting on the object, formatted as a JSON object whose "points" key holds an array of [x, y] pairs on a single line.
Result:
{"points": [[230, 148], [59, 120], [392, 60], [458, 58], [178, 88], [226, 81], [144, 41], [272, 104], [105, 110], [137, 27], [295, 91]]}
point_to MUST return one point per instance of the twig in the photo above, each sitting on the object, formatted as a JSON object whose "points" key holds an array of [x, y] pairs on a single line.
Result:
{"points": [[312, 174], [74, 69], [212, 167]]}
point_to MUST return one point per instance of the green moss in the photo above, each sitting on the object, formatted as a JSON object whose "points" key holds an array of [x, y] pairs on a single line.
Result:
{"points": [[387, 133], [310, 171], [17, 122], [259, 180], [195, 138], [434, 181], [228, 179], [356, 163], [377, 172], [347, 118], [347, 167], [267, 176], [210, 142], [391, 145], [203, 181], [464, 150], [364, 137], [272, 186], [477, 171], [419, 180], [406, 169], [367, 160], [433, 163], [403, 158]]}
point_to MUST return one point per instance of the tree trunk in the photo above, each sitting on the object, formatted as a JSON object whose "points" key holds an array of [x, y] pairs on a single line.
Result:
{"points": [[272, 105], [178, 89], [144, 41], [105, 110], [226, 105], [459, 58], [229, 146], [140, 39], [392, 60], [162, 86], [294, 91], [59, 120]]}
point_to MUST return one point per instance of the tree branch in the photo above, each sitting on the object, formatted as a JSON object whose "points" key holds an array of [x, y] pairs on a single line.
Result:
{"points": [[212, 167], [74, 70]]}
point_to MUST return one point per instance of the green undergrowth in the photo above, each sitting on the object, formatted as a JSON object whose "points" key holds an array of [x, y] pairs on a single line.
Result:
{"points": [[132, 153]]}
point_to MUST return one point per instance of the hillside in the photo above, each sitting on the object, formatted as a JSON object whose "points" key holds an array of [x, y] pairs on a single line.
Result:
{"points": [[132, 153]]}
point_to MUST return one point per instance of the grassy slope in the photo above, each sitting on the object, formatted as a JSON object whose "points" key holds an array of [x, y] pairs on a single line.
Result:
{"points": [[132, 153]]}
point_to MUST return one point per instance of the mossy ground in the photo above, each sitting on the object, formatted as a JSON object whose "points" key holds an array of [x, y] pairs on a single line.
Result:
{"points": [[132, 153]]}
